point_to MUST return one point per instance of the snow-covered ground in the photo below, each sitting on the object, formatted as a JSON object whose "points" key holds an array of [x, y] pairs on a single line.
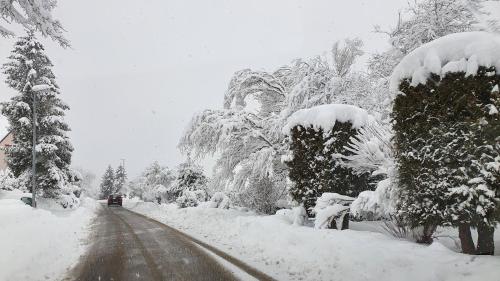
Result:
{"points": [[40, 244], [287, 252]]}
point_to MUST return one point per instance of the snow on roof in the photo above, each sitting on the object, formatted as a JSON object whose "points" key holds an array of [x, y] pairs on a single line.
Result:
{"points": [[325, 116], [452, 53]]}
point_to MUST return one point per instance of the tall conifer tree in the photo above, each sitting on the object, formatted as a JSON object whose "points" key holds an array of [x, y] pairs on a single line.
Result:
{"points": [[29, 72]]}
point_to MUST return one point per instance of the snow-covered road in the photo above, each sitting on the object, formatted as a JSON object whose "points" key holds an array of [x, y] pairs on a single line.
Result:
{"points": [[287, 252], [128, 246]]}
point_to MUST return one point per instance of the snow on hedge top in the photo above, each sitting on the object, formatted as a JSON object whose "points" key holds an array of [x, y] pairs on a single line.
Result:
{"points": [[459, 52], [325, 116]]}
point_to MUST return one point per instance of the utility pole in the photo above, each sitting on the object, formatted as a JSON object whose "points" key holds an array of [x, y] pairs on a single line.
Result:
{"points": [[33, 160], [123, 162]]}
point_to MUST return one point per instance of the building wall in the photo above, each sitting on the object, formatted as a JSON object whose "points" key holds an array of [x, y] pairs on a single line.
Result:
{"points": [[6, 141]]}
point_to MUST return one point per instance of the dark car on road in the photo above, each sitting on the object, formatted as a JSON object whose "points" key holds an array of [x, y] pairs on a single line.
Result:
{"points": [[115, 199]]}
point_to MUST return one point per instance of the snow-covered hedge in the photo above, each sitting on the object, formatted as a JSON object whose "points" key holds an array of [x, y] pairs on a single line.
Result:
{"points": [[460, 52], [219, 200], [317, 140], [326, 116], [446, 129]]}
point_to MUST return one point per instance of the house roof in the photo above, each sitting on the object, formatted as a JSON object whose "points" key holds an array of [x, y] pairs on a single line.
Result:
{"points": [[6, 135], [4, 124]]}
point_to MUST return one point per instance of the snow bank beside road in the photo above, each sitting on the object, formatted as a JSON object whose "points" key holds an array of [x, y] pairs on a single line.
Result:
{"points": [[37, 244], [273, 245]]}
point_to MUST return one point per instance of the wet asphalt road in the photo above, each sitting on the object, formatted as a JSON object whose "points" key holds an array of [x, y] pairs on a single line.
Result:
{"points": [[127, 246]]}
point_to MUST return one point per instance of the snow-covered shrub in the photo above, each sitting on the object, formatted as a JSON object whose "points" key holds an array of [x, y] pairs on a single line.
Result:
{"points": [[8, 181], [68, 201], [219, 200], [191, 198], [299, 215], [318, 138], [398, 229], [261, 195], [191, 184], [371, 150], [447, 128], [332, 211], [332, 217], [373, 153], [375, 205]]}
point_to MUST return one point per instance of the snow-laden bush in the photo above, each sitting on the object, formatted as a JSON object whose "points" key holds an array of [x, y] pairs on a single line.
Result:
{"points": [[332, 217], [332, 211], [8, 181], [373, 153], [299, 215], [296, 216], [371, 150], [157, 193], [219, 200], [191, 184], [191, 198], [375, 205]]}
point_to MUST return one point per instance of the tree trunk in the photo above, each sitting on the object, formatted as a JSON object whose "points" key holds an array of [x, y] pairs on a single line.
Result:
{"points": [[466, 239], [485, 240], [345, 222]]}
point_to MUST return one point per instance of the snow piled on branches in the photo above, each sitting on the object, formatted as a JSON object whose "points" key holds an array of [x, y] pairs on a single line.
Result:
{"points": [[325, 117], [32, 15], [460, 52]]}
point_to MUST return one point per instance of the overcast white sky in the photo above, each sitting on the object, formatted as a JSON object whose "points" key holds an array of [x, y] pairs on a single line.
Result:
{"points": [[138, 70]]}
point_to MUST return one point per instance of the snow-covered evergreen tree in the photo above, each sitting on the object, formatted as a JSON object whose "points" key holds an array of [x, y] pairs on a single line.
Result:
{"points": [[29, 72], [446, 135], [120, 179], [35, 15], [317, 139], [107, 183]]}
